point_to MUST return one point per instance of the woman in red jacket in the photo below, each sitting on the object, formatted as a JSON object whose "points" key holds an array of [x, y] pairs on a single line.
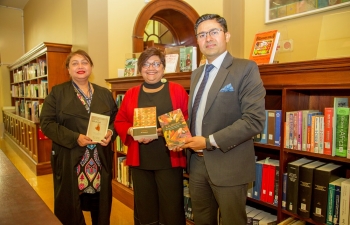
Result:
{"points": [[157, 172]]}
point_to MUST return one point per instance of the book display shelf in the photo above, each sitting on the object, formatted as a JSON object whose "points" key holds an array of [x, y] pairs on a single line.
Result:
{"points": [[32, 77], [307, 85]]}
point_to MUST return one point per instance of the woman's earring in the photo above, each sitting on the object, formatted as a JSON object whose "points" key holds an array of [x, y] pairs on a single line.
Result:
{"points": [[163, 80]]}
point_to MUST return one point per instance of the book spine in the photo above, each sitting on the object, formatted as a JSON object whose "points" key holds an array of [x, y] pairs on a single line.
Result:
{"points": [[300, 129], [264, 182], [330, 204], [291, 130], [278, 123], [284, 190], [264, 133], [277, 177], [271, 127], [317, 134], [344, 203], [304, 130], [312, 134], [295, 130], [292, 184], [321, 135], [305, 192], [257, 182], [337, 196], [308, 130], [328, 130], [342, 126]]}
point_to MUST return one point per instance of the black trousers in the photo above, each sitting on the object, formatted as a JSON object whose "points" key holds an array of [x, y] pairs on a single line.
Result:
{"points": [[91, 202], [158, 196]]}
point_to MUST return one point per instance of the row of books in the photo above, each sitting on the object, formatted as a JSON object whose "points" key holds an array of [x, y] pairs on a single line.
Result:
{"points": [[306, 191], [30, 90], [123, 174], [31, 71], [319, 132], [259, 217], [28, 108], [187, 201], [271, 133], [177, 59], [266, 184], [292, 221]]}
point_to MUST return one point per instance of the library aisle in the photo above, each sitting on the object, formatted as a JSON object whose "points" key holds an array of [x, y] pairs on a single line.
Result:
{"points": [[43, 185]]}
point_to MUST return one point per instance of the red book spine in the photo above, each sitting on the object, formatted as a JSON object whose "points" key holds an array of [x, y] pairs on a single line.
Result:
{"points": [[328, 131]]}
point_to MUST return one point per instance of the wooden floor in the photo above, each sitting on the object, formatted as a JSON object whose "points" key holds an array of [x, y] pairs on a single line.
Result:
{"points": [[43, 185]]}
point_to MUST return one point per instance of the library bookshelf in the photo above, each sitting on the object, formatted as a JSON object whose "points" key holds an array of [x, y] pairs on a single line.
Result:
{"points": [[31, 78], [289, 87]]}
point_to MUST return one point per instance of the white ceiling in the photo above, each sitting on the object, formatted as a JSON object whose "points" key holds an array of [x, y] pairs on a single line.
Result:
{"points": [[19, 4]]}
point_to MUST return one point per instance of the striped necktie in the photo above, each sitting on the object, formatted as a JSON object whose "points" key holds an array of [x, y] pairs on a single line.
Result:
{"points": [[197, 100]]}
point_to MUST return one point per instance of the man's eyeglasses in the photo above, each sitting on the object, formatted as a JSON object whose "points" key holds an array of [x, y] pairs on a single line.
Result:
{"points": [[213, 33], [155, 64]]}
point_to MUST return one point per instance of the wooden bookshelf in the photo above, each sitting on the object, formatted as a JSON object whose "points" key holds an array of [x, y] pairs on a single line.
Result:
{"points": [[22, 130], [289, 87]]}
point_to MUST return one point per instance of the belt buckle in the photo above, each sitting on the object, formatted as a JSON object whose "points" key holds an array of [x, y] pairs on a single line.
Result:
{"points": [[200, 154]]}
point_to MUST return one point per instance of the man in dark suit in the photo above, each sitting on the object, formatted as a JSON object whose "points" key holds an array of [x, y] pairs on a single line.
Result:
{"points": [[225, 113]]}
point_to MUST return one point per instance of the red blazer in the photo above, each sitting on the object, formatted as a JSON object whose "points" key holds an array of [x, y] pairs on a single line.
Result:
{"points": [[124, 120]]}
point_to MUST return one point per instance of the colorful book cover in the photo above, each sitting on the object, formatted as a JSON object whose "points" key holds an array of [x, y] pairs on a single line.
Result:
{"points": [[145, 123], [264, 47], [304, 128], [342, 126], [338, 102], [175, 129], [188, 58]]}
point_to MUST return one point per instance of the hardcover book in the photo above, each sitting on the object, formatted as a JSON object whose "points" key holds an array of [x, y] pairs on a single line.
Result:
{"points": [[278, 124], [304, 128], [345, 203], [322, 177], [338, 102], [342, 127], [130, 68], [305, 188], [271, 127], [293, 170], [328, 130], [145, 123], [98, 126], [332, 216], [264, 47], [175, 129]]}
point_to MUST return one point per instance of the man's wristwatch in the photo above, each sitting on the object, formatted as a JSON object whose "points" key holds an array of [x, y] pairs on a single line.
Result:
{"points": [[209, 147]]}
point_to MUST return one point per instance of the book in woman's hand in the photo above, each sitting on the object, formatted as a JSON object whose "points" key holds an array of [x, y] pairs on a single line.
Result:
{"points": [[98, 126], [175, 129]]}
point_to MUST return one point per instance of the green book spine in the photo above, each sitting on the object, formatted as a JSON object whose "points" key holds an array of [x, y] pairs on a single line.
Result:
{"points": [[330, 206], [342, 125]]}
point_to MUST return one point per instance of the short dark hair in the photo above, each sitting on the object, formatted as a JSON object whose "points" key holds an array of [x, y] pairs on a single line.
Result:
{"points": [[219, 19], [78, 52], [146, 54]]}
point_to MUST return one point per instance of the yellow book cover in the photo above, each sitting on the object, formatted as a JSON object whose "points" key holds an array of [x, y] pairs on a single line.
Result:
{"points": [[145, 123], [175, 129]]}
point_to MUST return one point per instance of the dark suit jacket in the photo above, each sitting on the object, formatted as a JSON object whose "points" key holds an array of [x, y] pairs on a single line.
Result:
{"points": [[234, 118], [63, 118]]}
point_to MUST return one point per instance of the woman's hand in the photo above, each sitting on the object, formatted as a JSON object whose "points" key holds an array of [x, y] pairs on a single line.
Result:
{"points": [[159, 132], [84, 140], [107, 139]]}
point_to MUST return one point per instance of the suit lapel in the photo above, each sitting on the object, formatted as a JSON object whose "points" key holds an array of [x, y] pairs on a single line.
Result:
{"points": [[218, 82]]}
